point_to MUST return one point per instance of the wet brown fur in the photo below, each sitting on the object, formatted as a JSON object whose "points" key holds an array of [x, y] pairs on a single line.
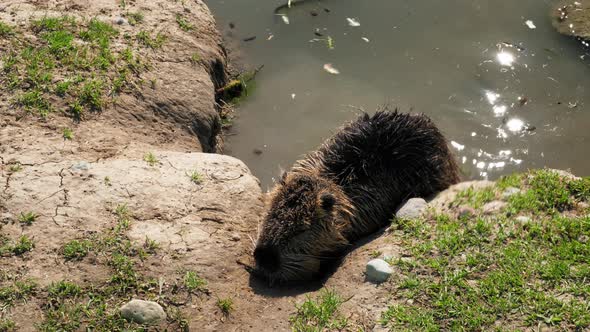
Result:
{"points": [[349, 188]]}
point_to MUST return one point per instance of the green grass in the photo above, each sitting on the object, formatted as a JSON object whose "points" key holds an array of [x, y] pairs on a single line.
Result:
{"points": [[151, 159], [63, 289], [411, 318], [7, 325], [64, 47], [192, 282], [67, 134], [92, 95], [151, 246], [76, 249], [549, 193], [50, 24], [134, 18], [195, 177], [475, 198], [35, 100], [5, 30], [481, 271], [27, 218], [146, 39], [16, 167], [19, 290], [195, 58], [226, 305], [22, 245], [183, 23], [320, 314]]}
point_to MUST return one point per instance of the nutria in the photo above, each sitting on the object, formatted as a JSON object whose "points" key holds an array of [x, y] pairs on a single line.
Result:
{"points": [[349, 188]]}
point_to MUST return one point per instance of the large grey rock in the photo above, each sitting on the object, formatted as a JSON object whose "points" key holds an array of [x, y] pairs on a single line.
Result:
{"points": [[143, 312], [378, 271], [412, 209]]}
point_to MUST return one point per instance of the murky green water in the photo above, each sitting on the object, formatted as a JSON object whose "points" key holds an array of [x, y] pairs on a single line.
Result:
{"points": [[464, 63]]}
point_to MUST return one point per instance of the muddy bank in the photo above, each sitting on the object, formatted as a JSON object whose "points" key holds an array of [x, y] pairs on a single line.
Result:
{"points": [[151, 80], [572, 18]]}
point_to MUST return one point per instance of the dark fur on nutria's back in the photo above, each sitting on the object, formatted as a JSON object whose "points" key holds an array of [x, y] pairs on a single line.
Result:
{"points": [[350, 188]]}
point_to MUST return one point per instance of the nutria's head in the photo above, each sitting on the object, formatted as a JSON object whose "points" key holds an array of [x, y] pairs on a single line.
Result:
{"points": [[302, 229]]}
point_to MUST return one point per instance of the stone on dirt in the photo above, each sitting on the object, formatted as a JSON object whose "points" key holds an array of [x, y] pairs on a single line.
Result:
{"points": [[378, 271], [412, 209], [143, 312]]}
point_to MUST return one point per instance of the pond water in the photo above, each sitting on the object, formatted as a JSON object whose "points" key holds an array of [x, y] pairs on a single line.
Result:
{"points": [[508, 91]]}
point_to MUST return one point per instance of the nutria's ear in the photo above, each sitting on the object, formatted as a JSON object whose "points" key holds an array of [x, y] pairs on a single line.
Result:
{"points": [[327, 201]]}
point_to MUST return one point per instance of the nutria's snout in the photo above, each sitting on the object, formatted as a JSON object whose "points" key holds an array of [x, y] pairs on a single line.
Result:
{"points": [[267, 258]]}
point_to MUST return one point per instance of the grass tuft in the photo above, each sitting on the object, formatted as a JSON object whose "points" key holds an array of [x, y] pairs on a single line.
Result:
{"points": [[147, 40], [27, 218], [67, 134], [225, 305], [151, 159], [76, 249], [18, 291], [183, 23], [320, 314], [5, 30], [195, 177], [193, 282]]}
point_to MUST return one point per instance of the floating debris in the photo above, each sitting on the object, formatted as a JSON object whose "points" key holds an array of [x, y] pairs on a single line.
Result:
{"points": [[232, 25], [330, 43], [293, 96], [353, 22], [249, 38], [318, 33], [289, 4], [326, 10], [313, 13], [285, 18], [271, 36], [257, 152], [365, 39], [530, 24], [522, 101], [330, 69]]}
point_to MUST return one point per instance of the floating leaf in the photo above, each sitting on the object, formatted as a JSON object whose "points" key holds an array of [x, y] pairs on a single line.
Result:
{"points": [[285, 19], [530, 24], [330, 69], [353, 22]]}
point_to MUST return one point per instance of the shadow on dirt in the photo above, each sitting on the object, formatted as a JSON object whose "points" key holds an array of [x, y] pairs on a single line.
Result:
{"points": [[262, 287]]}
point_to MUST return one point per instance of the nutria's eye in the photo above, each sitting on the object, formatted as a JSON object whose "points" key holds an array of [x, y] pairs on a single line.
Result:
{"points": [[327, 202]]}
